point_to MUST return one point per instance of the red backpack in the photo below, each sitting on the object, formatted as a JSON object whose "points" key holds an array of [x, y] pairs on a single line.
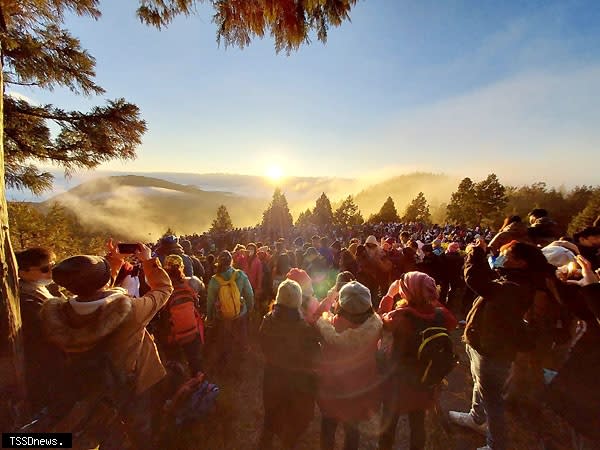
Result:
{"points": [[185, 322]]}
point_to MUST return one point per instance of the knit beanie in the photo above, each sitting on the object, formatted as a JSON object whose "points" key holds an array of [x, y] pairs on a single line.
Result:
{"points": [[82, 274], [355, 298], [303, 279], [289, 293]]}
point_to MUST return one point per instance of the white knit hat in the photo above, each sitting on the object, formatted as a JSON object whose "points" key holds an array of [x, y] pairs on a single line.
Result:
{"points": [[289, 293], [355, 298]]}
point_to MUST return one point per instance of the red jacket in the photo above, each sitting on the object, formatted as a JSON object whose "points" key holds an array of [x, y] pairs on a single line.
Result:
{"points": [[399, 323], [348, 378], [255, 273]]}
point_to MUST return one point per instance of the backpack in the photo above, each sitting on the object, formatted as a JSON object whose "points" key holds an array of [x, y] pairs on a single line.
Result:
{"points": [[229, 298], [184, 320], [94, 403], [434, 351], [193, 401]]}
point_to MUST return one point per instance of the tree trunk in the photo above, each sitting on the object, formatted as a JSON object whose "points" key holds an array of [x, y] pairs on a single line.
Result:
{"points": [[12, 373]]}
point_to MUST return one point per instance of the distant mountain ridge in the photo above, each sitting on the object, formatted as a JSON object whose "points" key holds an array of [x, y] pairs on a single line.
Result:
{"points": [[135, 206], [138, 206], [92, 187]]}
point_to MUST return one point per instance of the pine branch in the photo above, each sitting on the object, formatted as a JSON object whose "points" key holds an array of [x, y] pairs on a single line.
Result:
{"points": [[85, 140], [49, 56], [21, 84]]}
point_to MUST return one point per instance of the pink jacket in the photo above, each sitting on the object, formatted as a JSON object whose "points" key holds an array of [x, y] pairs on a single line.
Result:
{"points": [[348, 378]]}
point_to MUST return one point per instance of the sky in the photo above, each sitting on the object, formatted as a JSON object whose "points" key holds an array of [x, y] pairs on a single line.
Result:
{"points": [[459, 87]]}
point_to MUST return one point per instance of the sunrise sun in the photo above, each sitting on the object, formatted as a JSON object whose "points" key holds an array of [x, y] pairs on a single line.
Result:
{"points": [[274, 173]]}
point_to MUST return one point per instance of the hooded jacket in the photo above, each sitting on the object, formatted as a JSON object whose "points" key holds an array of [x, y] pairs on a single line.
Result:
{"points": [[504, 301], [115, 321]]}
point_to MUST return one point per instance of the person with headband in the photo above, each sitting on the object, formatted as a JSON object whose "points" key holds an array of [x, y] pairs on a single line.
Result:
{"points": [[418, 303]]}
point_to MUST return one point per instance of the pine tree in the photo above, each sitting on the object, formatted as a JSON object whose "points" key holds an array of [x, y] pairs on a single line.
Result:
{"points": [[26, 225], [347, 214], [277, 220], [222, 222], [170, 232], [304, 218], [57, 229], [37, 51], [588, 216], [490, 199], [322, 214], [462, 208], [387, 213], [418, 210]]}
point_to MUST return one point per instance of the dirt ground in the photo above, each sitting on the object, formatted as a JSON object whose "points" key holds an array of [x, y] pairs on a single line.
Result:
{"points": [[237, 422]]}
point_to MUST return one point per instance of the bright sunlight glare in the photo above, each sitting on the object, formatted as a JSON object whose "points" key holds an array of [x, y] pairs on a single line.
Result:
{"points": [[274, 173]]}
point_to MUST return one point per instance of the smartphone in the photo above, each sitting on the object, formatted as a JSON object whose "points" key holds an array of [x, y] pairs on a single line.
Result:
{"points": [[128, 249]]}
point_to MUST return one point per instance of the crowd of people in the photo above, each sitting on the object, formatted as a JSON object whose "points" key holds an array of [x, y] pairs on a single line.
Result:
{"points": [[355, 321]]}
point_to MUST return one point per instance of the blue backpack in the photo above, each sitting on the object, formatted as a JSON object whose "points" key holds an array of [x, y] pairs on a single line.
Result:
{"points": [[193, 401]]}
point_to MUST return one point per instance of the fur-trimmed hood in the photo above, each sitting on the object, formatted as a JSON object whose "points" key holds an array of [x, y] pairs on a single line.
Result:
{"points": [[70, 325], [351, 338]]}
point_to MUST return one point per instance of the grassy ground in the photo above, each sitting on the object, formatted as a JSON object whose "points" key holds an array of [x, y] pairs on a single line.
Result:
{"points": [[237, 422]]}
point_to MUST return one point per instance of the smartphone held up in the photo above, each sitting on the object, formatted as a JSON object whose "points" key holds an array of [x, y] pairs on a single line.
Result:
{"points": [[128, 249]]}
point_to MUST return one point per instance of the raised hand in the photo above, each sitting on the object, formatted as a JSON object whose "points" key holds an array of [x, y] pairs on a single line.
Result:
{"points": [[589, 276]]}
